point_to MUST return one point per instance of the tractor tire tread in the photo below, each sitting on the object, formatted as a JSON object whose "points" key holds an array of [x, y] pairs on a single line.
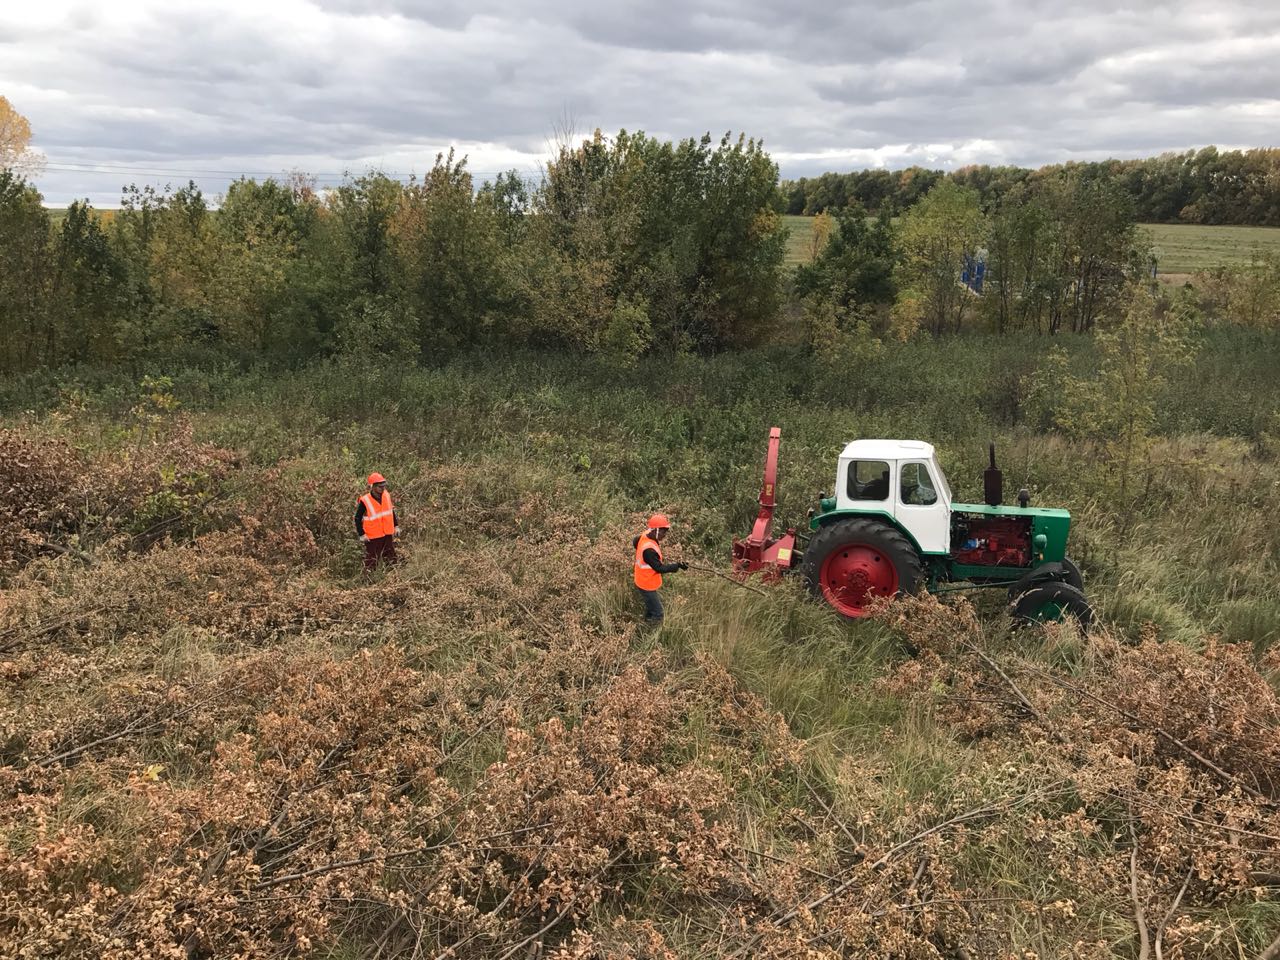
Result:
{"points": [[877, 533], [1074, 603]]}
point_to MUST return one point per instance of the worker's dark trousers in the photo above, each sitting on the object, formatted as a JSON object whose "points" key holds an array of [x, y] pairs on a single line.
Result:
{"points": [[381, 550], [652, 605]]}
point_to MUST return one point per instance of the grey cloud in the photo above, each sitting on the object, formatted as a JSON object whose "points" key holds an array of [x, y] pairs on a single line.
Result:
{"points": [[338, 84]]}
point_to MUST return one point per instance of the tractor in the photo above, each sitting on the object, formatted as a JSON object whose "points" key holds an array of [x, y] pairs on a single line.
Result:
{"points": [[892, 527]]}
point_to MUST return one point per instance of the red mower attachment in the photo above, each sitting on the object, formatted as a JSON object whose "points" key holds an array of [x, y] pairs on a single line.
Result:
{"points": [[760, 551]]}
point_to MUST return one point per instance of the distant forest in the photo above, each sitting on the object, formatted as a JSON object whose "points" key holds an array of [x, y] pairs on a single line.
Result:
{"points": [[1208, 186]]}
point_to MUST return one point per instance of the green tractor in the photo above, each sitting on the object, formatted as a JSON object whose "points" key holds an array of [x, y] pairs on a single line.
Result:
{"points": [[892, 527]]}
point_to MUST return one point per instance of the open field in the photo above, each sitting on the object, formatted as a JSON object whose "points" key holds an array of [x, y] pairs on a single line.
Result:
{"points": [[59, 214], [217, 738], [1186, 248], [1182, 248], [799, 239]]}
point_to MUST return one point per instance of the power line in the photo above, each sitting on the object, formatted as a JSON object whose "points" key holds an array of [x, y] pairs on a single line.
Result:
{"points": [[147, 170]]}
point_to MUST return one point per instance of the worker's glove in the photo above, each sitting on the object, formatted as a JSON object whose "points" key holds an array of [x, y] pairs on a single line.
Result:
{"points": [[397, 531], [683, 565], [364, 538]]}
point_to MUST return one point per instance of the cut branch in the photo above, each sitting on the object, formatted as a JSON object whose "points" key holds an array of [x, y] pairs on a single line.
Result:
{"points": [[1173, 908], [1139, 917], [879, 864], [1017, 691], [1160, 732]]}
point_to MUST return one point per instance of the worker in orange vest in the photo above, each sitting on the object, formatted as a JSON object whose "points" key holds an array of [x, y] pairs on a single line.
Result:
{"points": [[649, 566], [376, 524]]}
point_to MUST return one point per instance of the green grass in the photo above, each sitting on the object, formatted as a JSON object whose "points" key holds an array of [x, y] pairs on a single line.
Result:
{"points": [[1181, 248], [799, 237], [1186, 248], [692, 443]]}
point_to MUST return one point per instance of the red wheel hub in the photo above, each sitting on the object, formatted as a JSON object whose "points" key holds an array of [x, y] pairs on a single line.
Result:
{"points": [[853, 574]]}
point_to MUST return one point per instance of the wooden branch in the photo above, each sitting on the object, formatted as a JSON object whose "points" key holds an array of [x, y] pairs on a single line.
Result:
{"points": [[16, 634], [746, 872], [129, 730], [563, 912], [825, 806], [1173, 907], [534, 864], [395, 855], [1017, 692], [789, 863], [1272, 952], [66, 551], [1161, 732], [1139, 918], [724, 576], [944, 901], [879, 864]]}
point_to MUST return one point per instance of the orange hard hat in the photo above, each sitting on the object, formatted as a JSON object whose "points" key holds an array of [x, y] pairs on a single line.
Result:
{"points": [[659, 521], [376, 478]]}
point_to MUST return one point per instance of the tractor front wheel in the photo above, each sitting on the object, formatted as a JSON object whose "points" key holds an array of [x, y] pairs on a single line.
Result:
{"points": [[1073, 574], [1052, 601], [850, 563]]}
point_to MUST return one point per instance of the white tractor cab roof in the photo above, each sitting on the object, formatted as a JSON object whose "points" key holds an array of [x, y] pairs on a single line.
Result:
{"points": [[887, 450], [919, 499]]}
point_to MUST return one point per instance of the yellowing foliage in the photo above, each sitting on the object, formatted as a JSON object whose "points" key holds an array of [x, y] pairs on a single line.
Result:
{"points": [[15, 137]]}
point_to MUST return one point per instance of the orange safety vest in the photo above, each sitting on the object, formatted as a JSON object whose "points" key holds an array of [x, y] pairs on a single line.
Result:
{"points": [[379, 519], [647, 578]]}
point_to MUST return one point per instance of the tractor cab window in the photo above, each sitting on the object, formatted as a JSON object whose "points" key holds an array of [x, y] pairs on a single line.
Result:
{"points": [[868, 480], [916, 487]]}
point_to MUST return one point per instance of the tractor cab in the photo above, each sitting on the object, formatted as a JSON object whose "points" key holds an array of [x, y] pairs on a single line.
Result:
{"points": [[902, 481]]}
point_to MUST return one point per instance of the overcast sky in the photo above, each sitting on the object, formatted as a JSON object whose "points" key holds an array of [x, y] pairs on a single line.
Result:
{"points": [[163, 90]]}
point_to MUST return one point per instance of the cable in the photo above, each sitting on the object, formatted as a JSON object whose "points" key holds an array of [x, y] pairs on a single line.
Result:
{"points": [[140, 169]]}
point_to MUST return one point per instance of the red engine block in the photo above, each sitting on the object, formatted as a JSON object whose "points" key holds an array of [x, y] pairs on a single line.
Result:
{"points": [[991, 541]]}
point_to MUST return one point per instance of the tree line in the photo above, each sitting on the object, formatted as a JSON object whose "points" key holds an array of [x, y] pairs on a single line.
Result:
{"points": [[1207, 186], [1057, 255], [627, 244]]}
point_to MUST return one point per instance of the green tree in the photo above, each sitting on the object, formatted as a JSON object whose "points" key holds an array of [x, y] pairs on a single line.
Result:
{"points": [[856, 266], [1023, 259], [935, 237], [262, 228], [1101, 251], [351, 272], [819, 233], [1137, 351], [684, 234], [1248, 293], [24, 274], [88, 290], [169, 255], [458, 270], [362, 246]]}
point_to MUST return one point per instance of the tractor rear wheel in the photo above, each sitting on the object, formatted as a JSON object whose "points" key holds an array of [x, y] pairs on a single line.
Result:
{"points": [[1053, 601], [850, 563]]}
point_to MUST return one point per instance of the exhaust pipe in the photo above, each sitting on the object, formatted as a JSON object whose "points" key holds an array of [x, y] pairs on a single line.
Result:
{"points": [[993, 480]]}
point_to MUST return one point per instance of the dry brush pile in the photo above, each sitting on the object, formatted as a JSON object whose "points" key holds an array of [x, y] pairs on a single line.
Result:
{"points": [[213, 744], [60, 501]]}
